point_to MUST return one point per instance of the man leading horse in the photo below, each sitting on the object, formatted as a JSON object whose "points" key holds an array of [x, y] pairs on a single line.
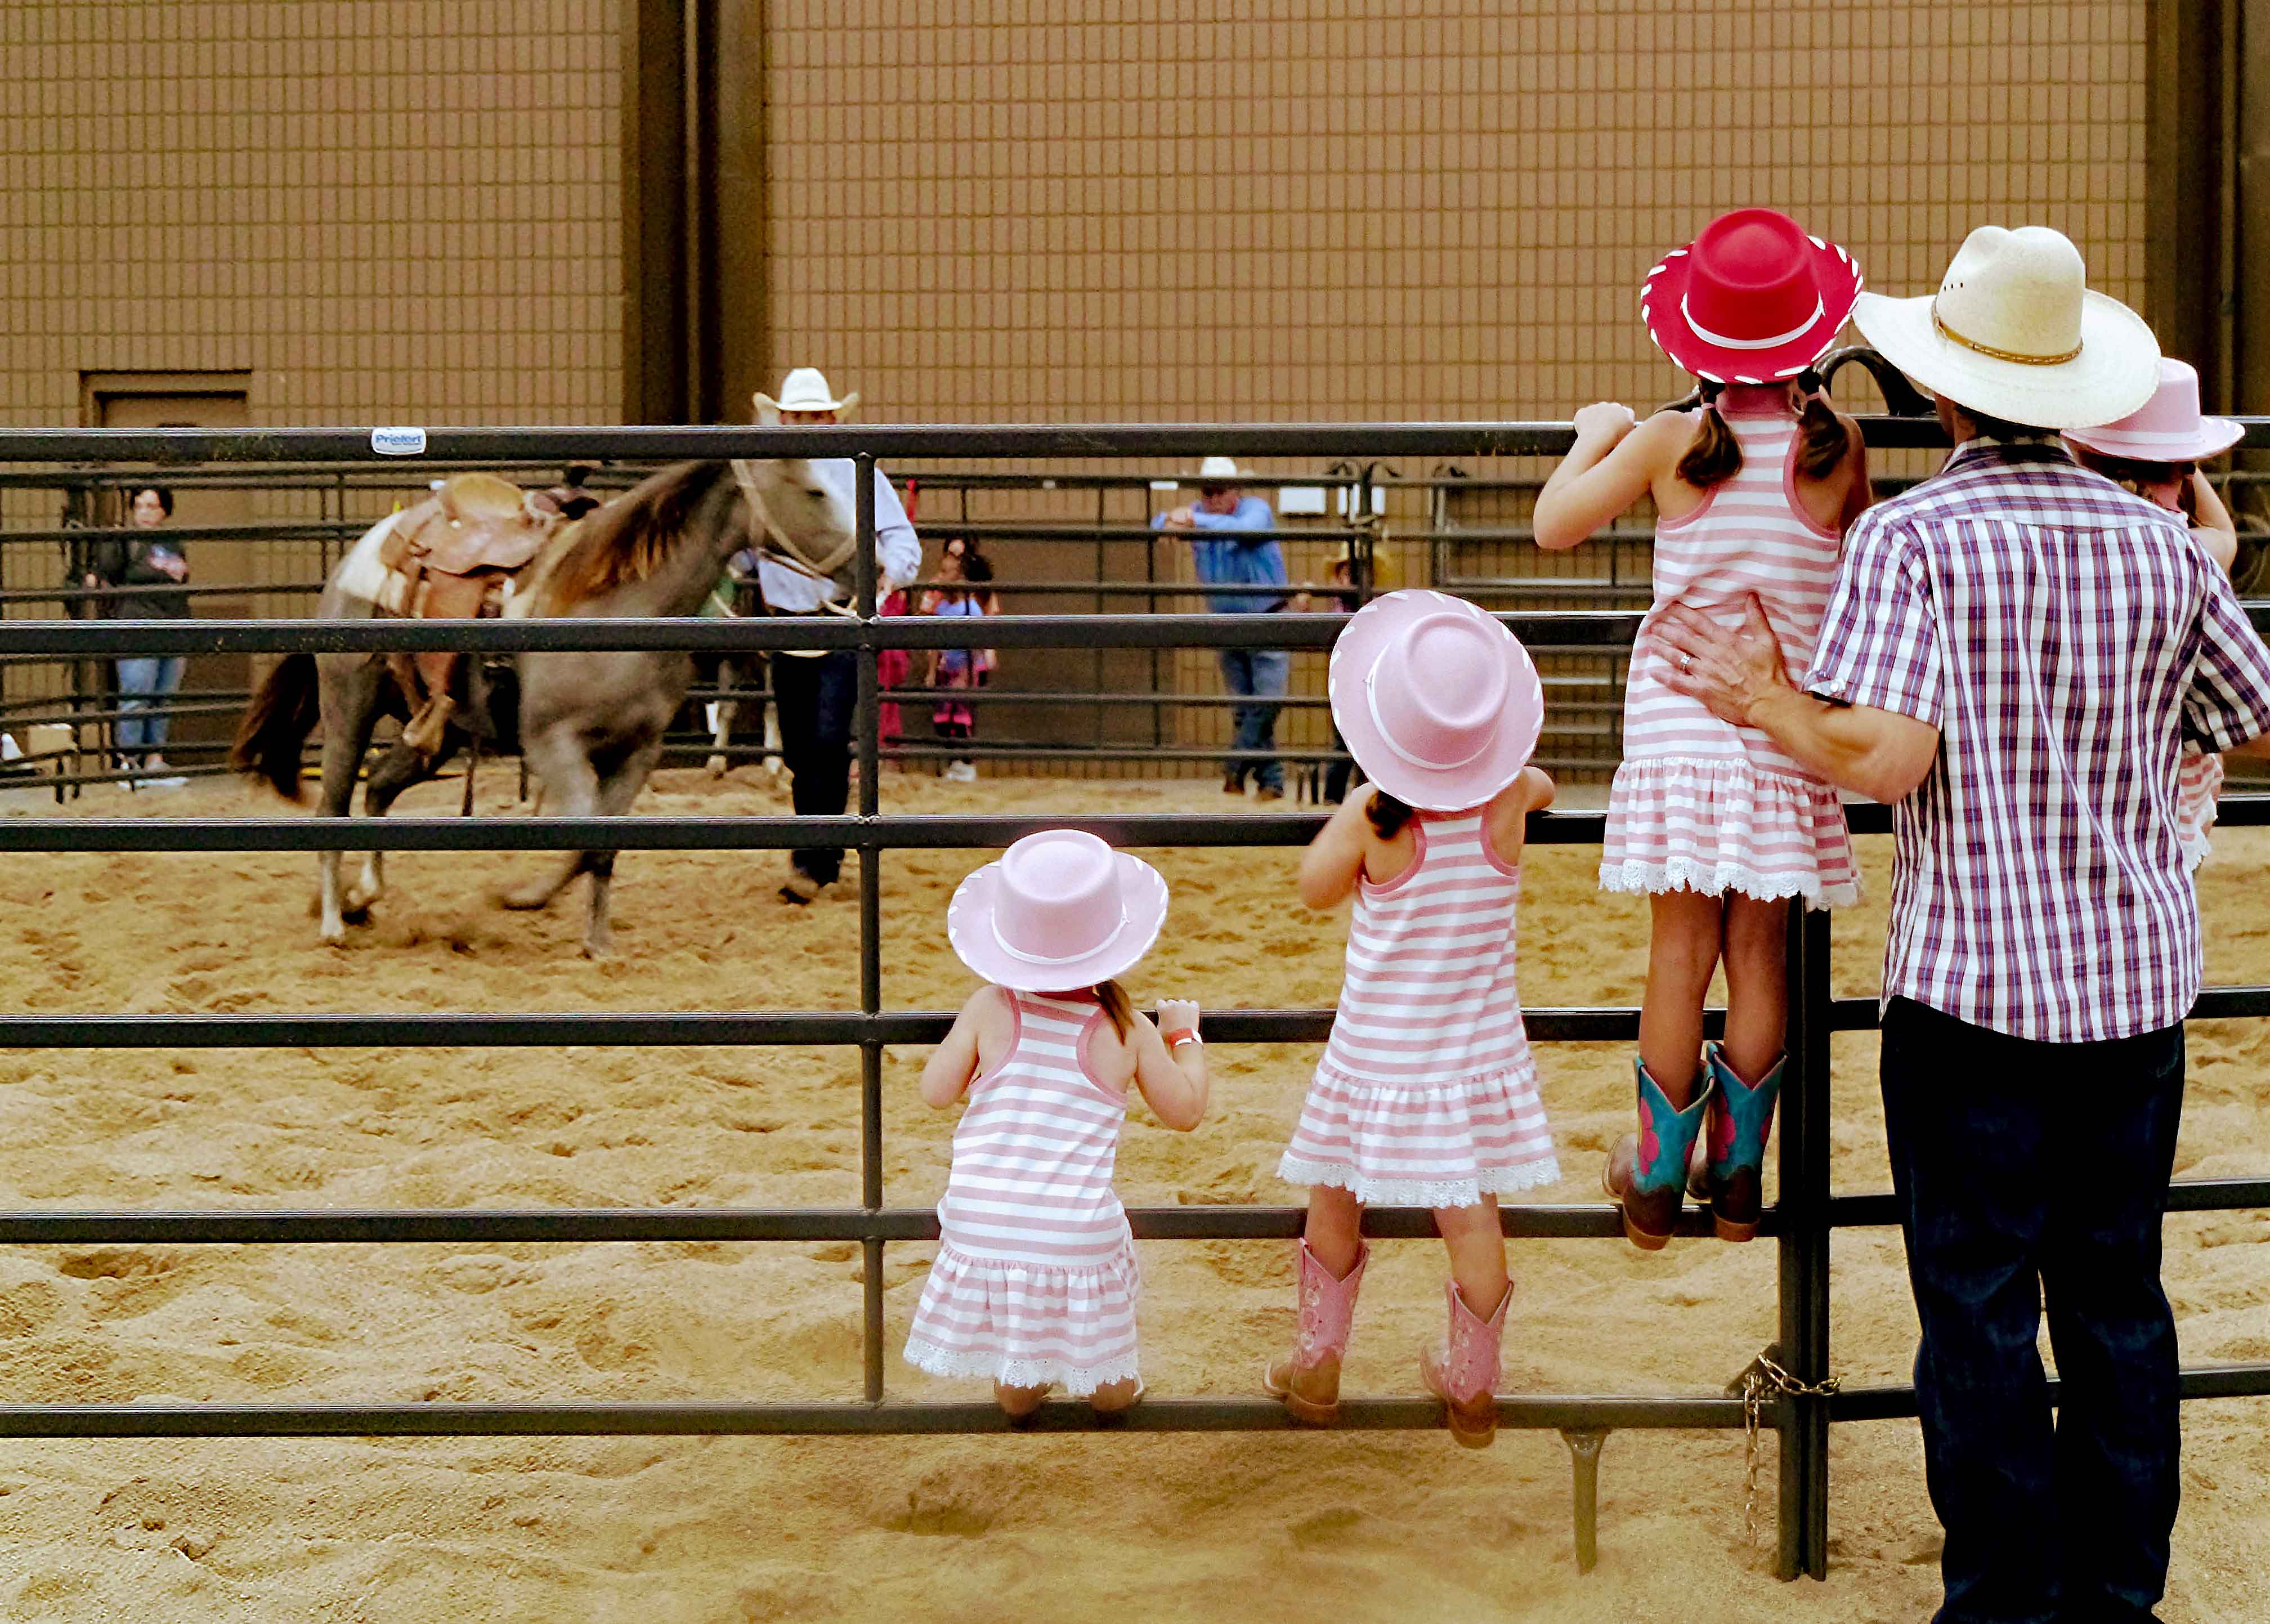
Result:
{"points": [[815, 692]]}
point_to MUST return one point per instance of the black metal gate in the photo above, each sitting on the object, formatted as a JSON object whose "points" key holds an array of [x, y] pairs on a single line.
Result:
{"points": [[1806, 1212]]}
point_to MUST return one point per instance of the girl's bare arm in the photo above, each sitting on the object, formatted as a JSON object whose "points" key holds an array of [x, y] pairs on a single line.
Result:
{"points": [[1509, 815], [1335, 857], [954, 1063], [1613, 464], [2216, 530], [1172, 1080]]}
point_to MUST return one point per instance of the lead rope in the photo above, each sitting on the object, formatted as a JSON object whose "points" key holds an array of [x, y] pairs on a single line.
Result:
{"points": [[1761, 1383]]}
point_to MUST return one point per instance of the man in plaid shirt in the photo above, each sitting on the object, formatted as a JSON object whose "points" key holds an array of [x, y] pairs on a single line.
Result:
{"points": [[2015, 653]]}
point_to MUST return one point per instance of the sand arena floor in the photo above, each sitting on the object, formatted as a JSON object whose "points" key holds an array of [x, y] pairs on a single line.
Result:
{"points": [[708, 1531]]}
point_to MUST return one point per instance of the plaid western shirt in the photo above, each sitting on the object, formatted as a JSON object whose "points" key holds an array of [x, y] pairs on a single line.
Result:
{"points": [[2065, 637]]}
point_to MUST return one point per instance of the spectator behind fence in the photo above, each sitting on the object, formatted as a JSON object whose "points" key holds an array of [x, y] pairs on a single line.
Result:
{"points": [[1228, 553], [145, 683], [953, 670], [1339, 596]]}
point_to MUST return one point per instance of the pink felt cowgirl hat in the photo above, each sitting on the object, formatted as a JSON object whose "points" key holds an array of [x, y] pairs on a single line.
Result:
{"points": [[1060, 910], [2168, 427], [1439, 703], [1753, 299]]}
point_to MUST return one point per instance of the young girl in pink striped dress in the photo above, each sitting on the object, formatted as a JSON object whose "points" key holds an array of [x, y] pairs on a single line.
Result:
{"points": [[1426, 1095], [1034, 1281], [1712, 822], [2156, 452]]}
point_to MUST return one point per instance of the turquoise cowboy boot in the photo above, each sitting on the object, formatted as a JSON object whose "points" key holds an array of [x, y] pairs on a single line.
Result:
{"points": [[1646, 1172], [1741, 1118]]}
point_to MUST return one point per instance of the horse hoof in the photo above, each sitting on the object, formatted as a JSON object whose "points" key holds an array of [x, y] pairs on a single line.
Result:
{"points": [[600, 950], [524, 901], [715, 767]]}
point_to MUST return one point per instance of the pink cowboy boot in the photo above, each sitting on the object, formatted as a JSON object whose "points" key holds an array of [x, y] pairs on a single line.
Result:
{"points": [[1308, 1381], [1463, 1373]]}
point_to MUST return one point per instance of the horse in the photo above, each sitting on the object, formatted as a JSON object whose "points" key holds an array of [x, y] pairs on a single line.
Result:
{"points": [[591, 725]]}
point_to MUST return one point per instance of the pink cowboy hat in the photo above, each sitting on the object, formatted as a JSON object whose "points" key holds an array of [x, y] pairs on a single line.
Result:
{"points": [[1753, 299], [2168, 427], [1439, 703], [1060, 910]]}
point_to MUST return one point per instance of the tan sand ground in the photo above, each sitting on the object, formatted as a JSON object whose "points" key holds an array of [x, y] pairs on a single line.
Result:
{"points": [[702, 1532]]}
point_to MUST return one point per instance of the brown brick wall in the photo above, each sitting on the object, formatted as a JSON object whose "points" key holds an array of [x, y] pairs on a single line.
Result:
{"points": [[1051, 208], [405, 211]]}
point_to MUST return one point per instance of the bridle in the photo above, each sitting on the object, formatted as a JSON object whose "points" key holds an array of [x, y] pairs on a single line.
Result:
{"points": [[744, 476]]}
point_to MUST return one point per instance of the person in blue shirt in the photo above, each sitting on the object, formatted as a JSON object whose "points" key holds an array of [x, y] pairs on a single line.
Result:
{"points": [[1221, 525]]}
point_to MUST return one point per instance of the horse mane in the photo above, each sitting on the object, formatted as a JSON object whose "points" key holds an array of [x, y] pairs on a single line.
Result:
{"points": [[628, 539]]}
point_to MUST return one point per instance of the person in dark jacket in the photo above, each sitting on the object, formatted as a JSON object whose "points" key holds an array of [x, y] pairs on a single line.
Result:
{"points": [[144, 681]]}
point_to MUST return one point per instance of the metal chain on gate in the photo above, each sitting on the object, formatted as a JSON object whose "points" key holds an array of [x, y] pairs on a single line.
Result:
{"points": [[1763, 1382]]}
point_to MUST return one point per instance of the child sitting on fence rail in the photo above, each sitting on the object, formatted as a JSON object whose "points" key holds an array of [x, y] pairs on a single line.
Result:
{"points": [[1426, 1095], [1714, 822], [2156, 451], [1034, 1281]]}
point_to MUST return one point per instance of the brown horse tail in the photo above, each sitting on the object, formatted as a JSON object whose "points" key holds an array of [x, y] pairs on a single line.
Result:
{"points": [[283, 713]]}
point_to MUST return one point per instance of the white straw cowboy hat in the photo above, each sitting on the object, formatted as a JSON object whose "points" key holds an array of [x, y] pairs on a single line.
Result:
{"points": [[805, 389], [2014, 332], [1220, 470]]}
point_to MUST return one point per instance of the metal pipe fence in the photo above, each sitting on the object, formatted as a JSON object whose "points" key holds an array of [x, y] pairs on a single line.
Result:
{"points": [[1805, 1212]]}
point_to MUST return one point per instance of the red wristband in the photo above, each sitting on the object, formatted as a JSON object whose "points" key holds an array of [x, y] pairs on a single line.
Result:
{"points": [[1182, 1035]]}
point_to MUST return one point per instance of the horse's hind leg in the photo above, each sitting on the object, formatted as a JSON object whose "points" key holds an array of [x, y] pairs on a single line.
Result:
{"points": [[349, 708], [617, 791], [399, 768], [561, 768]]}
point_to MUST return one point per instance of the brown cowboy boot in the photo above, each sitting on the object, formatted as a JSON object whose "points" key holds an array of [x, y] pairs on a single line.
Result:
{"points": [[1463, 1372], [1309, 1380]]}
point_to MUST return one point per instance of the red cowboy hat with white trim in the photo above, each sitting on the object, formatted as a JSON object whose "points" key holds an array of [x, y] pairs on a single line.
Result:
{"points": [[1753, 299]]}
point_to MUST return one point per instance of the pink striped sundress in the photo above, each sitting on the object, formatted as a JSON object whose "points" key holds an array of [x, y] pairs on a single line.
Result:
{"points": [[1427, 1095], [1035, 1276], [2199, 780], [1704, 805]]}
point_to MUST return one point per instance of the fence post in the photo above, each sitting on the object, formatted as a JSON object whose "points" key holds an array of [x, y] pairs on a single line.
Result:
{"points": [[1802, 1205], [867, 726]]}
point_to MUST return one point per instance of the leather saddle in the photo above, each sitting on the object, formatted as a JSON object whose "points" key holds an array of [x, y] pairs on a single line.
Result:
{"points": [[454, 556], [477, 528]]}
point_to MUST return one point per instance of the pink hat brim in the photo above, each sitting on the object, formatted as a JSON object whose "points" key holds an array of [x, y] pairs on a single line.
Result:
{"points": [[969, 928], [2215, 436], [1661, 306], [1455, 789]]}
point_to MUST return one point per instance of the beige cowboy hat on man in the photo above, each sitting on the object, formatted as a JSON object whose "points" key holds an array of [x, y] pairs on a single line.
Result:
{"points": [[2015, 333], [805, 391]]}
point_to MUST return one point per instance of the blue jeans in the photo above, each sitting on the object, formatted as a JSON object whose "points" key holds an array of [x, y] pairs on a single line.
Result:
{"points": [[2028, 1172], [1252, 672], [141, 683]]}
